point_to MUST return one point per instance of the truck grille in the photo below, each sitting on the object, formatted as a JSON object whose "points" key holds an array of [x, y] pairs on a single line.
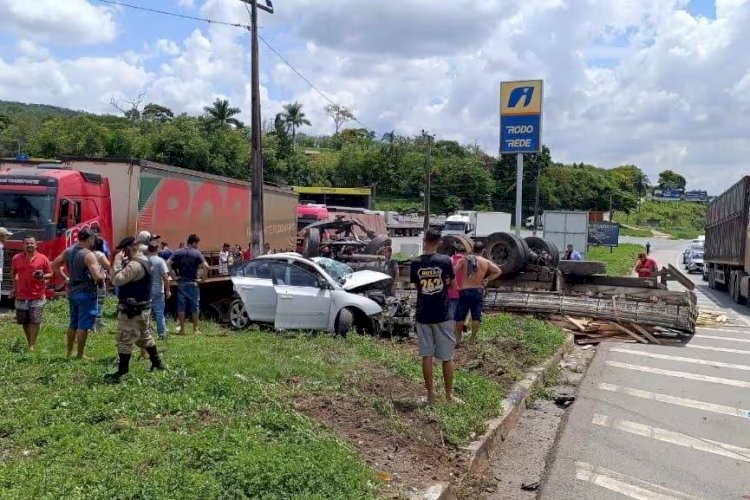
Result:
{"points": [[7, 283]]}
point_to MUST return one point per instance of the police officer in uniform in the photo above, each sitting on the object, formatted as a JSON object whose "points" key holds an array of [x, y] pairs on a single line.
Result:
{"points": [[134, 308]]}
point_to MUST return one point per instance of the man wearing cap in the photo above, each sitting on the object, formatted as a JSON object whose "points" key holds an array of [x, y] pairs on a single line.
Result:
{"points": [[133, 283], [82, 275], [4, 235]]}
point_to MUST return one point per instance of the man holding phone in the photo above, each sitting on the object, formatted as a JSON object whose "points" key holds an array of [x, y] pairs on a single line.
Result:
{"points": [[30, 271]]}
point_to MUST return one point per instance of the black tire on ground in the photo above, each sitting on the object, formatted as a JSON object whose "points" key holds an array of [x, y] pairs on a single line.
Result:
{"points": [[711, 278], [238, 317], [311, 244], [538, 245], [508, 251], [740, 298], [344, 322], [378, 242]]}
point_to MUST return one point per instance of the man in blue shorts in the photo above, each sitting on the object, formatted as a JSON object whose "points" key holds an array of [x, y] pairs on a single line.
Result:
{"points": [[473, 272], [82, 275], [432, 274], [189, 267]]}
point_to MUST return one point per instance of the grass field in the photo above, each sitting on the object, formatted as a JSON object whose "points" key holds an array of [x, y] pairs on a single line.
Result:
{"points": [[222, 422], [635, 232], [620, 262], [681, 219]]}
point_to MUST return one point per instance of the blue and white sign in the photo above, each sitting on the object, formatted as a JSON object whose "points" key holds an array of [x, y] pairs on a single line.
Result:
{"points": [[521, 116]]}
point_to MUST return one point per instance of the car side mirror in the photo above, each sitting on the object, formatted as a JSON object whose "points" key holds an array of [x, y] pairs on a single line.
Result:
{"points": [[323, 284]]}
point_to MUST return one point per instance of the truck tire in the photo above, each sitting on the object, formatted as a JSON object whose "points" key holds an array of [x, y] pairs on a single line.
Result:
{"points": [[451, 241], [509, 252], [378, 242], [238, 317], [538, 245], [735, 291], [311, 244], [344, 322], [711, 278]]}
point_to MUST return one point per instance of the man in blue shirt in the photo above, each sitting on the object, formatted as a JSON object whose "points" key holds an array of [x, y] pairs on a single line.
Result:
{"points": [[432, 274], [572, 254], [189, 267]]}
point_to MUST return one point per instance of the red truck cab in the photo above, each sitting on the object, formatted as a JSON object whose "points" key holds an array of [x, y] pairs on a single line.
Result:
{"points": [[307, 213], [51, 203]]}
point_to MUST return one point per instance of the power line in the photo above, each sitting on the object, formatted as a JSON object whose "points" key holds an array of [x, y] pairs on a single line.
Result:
{"points": [[302, 77], [174, 14]]}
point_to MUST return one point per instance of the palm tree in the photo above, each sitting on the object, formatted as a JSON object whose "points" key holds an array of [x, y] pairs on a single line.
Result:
{"points": [[222, 114], [294, 118]]}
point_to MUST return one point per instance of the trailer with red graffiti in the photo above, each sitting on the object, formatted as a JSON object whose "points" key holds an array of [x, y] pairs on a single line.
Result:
{"points": [[53, 201]]}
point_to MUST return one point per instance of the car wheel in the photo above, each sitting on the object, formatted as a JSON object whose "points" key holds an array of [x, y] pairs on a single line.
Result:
{"points": [[344, 322], [238, 317]]}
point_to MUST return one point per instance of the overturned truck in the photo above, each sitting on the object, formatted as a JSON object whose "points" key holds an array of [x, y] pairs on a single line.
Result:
{"points": [[536, 281]]}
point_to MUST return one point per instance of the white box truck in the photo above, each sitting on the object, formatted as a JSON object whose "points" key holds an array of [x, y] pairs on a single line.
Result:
{"points": [[476, 224]]}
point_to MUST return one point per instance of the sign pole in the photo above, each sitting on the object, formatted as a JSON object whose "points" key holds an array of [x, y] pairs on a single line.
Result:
{"points": [[519, 191]]}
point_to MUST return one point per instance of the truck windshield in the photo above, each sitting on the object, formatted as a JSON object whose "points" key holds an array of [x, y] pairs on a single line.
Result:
{"points": [[25, 209], [455, 226]]}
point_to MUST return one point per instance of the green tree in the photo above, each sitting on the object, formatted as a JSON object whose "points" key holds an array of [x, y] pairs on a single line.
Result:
{"points": [[156, 113], [671, 180], [222, 114], [295, 118]]}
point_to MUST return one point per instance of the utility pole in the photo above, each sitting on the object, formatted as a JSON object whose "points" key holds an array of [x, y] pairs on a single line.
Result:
{"points": [[610, 207], [519, 192], [256, 161], [536, 196], [428, 181]]}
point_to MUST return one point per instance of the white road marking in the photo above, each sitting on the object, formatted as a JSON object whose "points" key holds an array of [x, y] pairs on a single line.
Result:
{"points": [[685, 375], [667, 436], [688, 403], [717, 337], [705, 362], [717, 349], [736, 329], [624, 485]]}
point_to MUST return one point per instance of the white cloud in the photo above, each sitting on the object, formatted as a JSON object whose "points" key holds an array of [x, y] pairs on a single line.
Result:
{"points": [[629, 81], [187, 4], [68, 22]]}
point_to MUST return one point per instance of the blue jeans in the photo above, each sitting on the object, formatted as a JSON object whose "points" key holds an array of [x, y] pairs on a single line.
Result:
{"points": [[188, 297], [158, 303]]}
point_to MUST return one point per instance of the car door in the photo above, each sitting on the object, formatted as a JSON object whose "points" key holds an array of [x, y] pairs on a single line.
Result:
{"points": [[253, 282], [302, 303]]}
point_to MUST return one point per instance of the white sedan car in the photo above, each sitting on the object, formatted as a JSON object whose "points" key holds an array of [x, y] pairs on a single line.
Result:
{"points": [[295, 293]]}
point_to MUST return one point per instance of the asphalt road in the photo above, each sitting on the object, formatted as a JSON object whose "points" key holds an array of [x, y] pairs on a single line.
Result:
{"points": [[662, 422]]}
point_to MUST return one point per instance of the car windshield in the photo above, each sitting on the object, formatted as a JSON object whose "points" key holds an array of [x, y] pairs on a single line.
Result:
{"points": [[455, 226], [25, 209], [337, 270]]}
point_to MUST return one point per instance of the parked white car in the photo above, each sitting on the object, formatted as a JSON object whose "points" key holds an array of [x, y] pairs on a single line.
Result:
{"points": [[294, 293], [695, 262], [694, 245]]}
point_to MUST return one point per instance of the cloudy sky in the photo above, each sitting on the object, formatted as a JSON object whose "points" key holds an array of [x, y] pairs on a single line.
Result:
{"points": [[659, 83]]}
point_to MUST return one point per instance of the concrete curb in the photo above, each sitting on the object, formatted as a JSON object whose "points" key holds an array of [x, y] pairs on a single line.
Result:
{"points": [[514, 404]]}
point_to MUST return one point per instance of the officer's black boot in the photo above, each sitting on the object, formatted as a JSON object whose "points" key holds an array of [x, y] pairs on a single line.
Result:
{"points": [[122, 369], [156, 362]]}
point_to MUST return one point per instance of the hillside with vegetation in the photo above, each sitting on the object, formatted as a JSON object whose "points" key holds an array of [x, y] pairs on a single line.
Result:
{"points": [[463, 176], [680, 219]]}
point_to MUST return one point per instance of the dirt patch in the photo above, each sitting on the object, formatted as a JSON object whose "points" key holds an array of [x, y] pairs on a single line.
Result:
{"points": [[500, 359], [384, 419]]}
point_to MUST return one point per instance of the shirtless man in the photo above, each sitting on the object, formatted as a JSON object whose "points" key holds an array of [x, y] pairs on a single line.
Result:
{"points": [[473, 272]]}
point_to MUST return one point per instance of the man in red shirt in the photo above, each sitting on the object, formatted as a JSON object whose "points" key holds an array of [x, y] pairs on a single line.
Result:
{"points": [[30, 270], [645, 266], [248, 254]]}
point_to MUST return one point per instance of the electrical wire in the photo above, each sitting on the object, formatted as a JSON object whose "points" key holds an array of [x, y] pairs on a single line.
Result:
{"points": [[174, 14]]}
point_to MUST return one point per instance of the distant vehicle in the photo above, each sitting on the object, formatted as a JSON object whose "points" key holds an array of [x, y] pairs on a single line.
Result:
{"points": [[476, 224], [294, 293], [695, 262], [529, 222], [694, 245]]}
